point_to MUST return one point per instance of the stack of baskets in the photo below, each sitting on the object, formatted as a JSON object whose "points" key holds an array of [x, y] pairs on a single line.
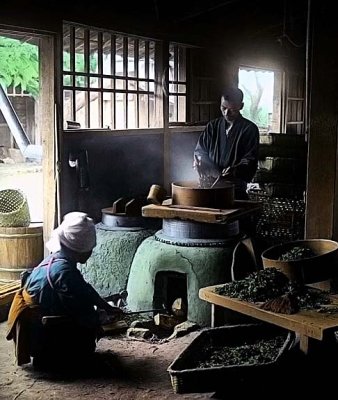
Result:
{"points": [[14, 210], [281, 179], [281, 218]]}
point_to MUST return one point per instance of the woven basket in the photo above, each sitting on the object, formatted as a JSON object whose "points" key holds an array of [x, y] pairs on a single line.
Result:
{"points": [[186, 377], [14, 210]]}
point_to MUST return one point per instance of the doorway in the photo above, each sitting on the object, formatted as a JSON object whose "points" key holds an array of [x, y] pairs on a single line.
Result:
{"points": [[27, 121]]}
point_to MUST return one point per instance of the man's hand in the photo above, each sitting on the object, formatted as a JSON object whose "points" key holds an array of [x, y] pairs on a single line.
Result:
{"points": [[197, 165], [227, 172]]}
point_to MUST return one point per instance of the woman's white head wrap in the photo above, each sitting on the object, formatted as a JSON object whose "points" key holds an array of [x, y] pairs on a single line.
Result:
{"points": [[77, 232]]}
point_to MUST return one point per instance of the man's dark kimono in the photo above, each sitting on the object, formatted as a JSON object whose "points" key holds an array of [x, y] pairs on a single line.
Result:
{"points": [[238, 150]]}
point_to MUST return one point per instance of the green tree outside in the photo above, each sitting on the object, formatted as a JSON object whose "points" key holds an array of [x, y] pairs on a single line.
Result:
{"points": [[19, 65]]}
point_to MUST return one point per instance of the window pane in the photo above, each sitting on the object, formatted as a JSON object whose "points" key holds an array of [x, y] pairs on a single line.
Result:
{"points": [[67, 105], [120, 110], [120, 84], [132, 85], [66, 48], [151, 87], [172, 88], [143, 85], [152, 117], [182, 64], [67, 80], [131, 57], [81, 108], [182, 88], [81, 81], [93, 52], [94, 82], [172, 109], [152, 60], [106, 53], [119, 70], [108, 110], [181, 109], [94, 110], [141, 59], [132, 111], [143, 111], [108, 83], [79, 50]]}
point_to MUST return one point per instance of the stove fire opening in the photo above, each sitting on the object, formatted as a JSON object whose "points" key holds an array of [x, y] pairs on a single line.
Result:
{"points": [[170, 293]]}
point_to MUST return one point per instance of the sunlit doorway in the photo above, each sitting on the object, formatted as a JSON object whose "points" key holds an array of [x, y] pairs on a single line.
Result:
{"points": [[27, 120]]}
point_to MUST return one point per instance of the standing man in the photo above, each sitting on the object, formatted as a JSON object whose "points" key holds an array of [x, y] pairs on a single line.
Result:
{"points": [[228, 147]]}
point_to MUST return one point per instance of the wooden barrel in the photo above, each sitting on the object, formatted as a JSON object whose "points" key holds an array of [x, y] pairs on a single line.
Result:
{"points": [[21, 248], [188, 193]]}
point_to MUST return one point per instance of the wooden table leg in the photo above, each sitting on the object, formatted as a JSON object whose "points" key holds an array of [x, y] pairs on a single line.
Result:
{"points": [[304, 344], [217, 315]]}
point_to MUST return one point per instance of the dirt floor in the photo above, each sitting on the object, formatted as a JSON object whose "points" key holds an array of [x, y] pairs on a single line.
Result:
{"points": [[128, 369]]}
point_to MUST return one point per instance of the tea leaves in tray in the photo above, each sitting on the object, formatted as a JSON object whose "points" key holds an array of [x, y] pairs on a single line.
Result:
{"points": [[269, 284], [260, 352], [258, 286]]}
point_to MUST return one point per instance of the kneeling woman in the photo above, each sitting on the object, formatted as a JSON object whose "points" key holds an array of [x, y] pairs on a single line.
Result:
{"points": [[53, 318]]}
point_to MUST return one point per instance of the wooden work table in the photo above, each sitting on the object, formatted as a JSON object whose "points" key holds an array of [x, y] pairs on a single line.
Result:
{"points": [[308, 324]]}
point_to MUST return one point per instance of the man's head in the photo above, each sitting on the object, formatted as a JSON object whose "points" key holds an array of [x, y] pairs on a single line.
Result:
{"points": [[231, 103], [76, 233]]}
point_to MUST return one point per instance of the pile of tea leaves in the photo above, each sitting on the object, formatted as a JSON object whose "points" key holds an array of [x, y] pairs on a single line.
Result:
{"points": [[268, 284], [259, 286], [296, 253], [309, 298], [205, 181], [260, 352]]}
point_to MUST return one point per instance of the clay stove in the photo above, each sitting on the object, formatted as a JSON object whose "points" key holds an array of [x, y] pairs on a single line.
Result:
{"points": [[192, 250], [120, 232]]}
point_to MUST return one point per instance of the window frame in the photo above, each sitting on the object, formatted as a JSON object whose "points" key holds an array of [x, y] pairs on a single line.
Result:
{"points": [[277, 118]]}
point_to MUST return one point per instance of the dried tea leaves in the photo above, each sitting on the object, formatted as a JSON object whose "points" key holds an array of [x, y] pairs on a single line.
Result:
{"points": [[277, 293], [296, 253], [258, 286], [260, 352]]}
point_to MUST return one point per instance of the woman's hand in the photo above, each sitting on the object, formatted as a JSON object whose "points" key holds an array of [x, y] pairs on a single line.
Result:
{"points": [[115, 311]]}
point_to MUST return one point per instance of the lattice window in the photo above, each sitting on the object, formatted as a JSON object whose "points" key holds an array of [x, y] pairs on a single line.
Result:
{"points": [[177, 83], [109, 80]]}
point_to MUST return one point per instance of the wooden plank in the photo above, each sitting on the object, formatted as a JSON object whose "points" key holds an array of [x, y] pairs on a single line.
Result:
{"points": [[4, 286], [8, 298], [306, 322], [4, 296], [8, 290], [4, 292], [47, 127], [200, 214], [9, 285]]}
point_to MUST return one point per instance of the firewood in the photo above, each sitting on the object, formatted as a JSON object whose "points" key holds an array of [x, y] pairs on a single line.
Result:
{"points": [[166, 321], [179, 308]]}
